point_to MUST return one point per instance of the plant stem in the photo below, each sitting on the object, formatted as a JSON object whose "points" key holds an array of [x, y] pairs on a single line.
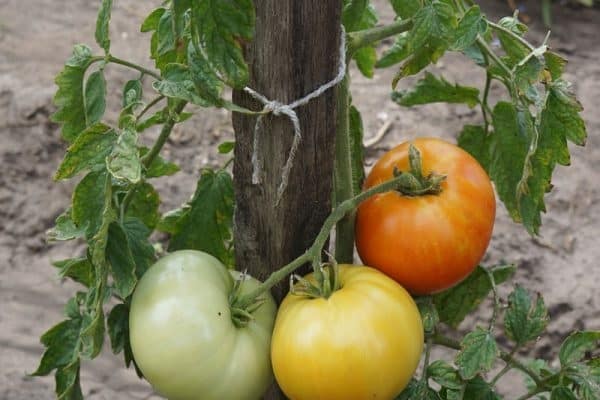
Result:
{"points": [[428, 343], [511, 33], [445, 341], [313, 254], [343, 185], [484, 102], [359, 39], [134, 66], [164, 134], [490, 275], [532, 393], [486, 48], [500, 374], [149, 106]]}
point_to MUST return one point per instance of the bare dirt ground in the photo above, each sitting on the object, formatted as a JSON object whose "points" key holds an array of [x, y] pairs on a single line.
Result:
{"points": [[36, 36]]}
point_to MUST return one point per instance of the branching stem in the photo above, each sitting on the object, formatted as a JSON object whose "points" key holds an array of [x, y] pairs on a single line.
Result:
{"points": [[509, 358], [313, 254]]}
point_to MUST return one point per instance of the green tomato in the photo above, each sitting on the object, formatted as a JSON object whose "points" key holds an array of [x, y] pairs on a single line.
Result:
{"points": [[183, 338]]}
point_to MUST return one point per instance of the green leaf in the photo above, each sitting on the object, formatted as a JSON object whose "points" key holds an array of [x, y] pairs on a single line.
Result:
{"points": [[445, 374], [78, 269], [207, 224], [455, 303], [472, 24], [67, 382], [220, 26], [418, 390], [162, 43], [561, 113], [124, 161], [577, 345], [366, 58], [555, 64], [560, 121], [121, 260], [397, 53], [152, 20], [206, 82], [352, 13], [474, 140], [562, 393], [405, 8], [587, 380], [436, 20], [166, 34], [528, 73], [144, 205], [93, 328], [97, 244], [178, 84], [95, 97], [132, 92], [226, 147], [69, 96], [118, 327], [524, 321], [141, 249], [478, 353], [508, 148], [169, 221], [102, 33], [62, 346], [89, 151], [356, 149], [419, 59], [431, 89], [89, 201], [515, 50], [479, 389], [65, 228], [157, 118]]}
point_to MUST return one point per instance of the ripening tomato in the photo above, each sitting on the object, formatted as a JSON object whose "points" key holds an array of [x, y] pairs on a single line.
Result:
{"points": [[183, 338], [430, 242], [362, 342]]}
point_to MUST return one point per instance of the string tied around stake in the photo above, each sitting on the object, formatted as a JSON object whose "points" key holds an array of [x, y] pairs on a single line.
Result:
{"points": [[277, 108]]}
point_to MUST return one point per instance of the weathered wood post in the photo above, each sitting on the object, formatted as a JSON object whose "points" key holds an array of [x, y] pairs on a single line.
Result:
{"points": [[295, 50]]}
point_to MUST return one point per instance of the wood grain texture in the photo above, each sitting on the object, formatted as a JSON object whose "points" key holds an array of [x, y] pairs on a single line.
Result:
{"points": [[295, 51]]}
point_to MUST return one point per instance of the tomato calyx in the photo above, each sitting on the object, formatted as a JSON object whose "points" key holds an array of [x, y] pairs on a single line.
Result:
{"points": [[413, 183], [242, 315], [323, 288]]}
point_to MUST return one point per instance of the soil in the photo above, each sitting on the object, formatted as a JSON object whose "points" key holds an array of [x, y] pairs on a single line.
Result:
{"points": [[36, 37]]}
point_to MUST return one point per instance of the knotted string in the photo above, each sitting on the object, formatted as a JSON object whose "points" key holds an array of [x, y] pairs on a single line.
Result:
{"points": [[277, 108]]}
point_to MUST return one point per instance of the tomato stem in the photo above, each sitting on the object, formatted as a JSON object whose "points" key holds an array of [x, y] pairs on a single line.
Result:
{"points": [[343, 183], [414, 183], [359, 39], [313, 254]]}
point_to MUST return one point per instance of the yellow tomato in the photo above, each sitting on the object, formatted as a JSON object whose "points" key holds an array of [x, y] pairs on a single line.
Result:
{"points": [[363, 342]]}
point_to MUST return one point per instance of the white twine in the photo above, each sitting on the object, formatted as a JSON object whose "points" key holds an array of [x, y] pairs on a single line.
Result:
{"points": [[277, 108]]}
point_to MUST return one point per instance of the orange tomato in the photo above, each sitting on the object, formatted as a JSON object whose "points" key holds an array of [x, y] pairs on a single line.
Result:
{"points": [[431, 242]]}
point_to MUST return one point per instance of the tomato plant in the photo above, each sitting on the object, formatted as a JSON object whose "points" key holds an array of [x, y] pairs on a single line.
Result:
{"points": [[431, 235], [186, 339], [198, 49], [363, 341]]}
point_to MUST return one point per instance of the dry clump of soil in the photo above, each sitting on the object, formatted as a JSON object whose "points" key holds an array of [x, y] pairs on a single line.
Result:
{"points": [[562, 263]]}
